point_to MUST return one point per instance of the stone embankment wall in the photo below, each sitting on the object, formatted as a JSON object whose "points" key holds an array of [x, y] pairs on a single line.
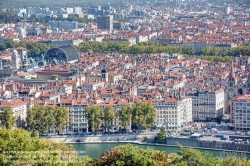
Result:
{"points": [[220, 145]]}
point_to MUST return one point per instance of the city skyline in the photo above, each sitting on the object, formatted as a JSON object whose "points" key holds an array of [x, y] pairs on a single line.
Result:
{"points": [[136, 71]]}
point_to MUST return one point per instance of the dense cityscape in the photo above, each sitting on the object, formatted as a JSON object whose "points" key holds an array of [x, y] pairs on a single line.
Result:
{"points": [[153, 72]]}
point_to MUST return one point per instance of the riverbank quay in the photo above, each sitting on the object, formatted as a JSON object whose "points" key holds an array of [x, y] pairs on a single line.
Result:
{"points": [[101, 138], [210, 143], [206, 143]]}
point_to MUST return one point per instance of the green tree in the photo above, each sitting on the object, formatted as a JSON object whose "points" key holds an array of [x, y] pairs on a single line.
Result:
{"points": [[216, 58], [150, 49], [41, 118], [143, 115], [95, 114], [7, 118], [33, 48], [243, 50], [206, 51], [2, 46], [85, 47], [9, 44], [136, 49], [211, 51], [161, 135], [18, 148], [216, 51], [188, 50], [36, 134], [61, 115], [129, 155], [9, 17], [109, 116], [125, 115], [195, 157]]}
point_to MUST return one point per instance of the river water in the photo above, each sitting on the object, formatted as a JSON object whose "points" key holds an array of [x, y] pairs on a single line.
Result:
{"points": [[94, 150]]}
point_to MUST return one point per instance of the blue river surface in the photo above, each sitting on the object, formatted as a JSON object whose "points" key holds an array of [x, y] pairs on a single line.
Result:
{"points": [[94, 150]]}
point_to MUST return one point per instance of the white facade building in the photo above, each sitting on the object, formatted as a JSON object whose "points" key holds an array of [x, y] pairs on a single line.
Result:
{"points": [[78, 122], [240, 112], [174, 114], [19, 108], [208, 105], [77, 10], [92, 86]]}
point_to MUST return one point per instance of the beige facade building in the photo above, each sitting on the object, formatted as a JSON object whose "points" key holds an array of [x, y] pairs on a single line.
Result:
{"points": [[19, 108], [173, 114], [240, 112]]}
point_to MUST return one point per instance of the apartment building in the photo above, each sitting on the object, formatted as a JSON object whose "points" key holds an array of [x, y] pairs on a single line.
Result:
{"points": [[173, 114], [60, 87], [19, 108], [207, 105], [78, 116], [78, 120], [105, 22], [92, 86], [240, 112]]}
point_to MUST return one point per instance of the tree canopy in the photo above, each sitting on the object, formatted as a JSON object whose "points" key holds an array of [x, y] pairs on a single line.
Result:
{"points": [[109, 116], [33, 48], [7, 118], [95, 114], [129, 155], [125, 115], [9, 17], [161, 135], [216, 58], [216, 51], [143, 115], [41, 119], [125, 48], [18, 148]]}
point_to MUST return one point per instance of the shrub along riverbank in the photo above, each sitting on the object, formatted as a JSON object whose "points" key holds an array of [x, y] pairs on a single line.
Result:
{"points": [[18, 148]]}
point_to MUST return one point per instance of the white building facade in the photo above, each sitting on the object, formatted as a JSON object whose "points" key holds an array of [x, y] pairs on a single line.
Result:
{"points": [[174, 114], [208, 106], [240, 112]]}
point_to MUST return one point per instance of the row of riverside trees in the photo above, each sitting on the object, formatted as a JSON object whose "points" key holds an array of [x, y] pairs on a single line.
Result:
{"points": [[42, 119], [150, 48], [123, 47], [216, 58], [217, 51], [216, 54], [140, 115], [18, 148]]}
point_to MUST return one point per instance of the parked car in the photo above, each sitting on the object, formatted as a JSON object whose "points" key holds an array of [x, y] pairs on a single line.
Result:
{"points": [[90, 133], [225, 137]]}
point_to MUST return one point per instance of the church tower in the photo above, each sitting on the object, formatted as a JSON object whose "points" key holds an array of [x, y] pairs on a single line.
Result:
{"points": [[232, 82], [104, 73]]}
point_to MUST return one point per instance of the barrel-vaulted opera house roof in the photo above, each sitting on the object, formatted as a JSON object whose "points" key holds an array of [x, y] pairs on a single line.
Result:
{"points": [[62, 54]]}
